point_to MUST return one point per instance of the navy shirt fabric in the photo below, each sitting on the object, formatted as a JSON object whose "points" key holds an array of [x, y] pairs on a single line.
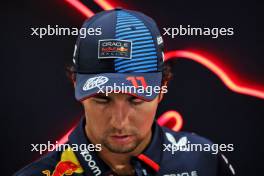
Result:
{"points": [[156, 159]]}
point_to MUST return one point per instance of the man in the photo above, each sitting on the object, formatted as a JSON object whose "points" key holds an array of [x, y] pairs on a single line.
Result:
{"points": [[120, 78]]}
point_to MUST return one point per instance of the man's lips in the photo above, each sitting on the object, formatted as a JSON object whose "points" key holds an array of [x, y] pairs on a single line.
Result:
{"points": [[122, 138]]}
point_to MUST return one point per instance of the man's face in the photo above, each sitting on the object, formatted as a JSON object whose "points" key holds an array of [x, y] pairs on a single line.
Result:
{"points": [[120, 122]]}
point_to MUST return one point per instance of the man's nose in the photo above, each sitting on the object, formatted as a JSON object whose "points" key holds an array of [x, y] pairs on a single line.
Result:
{"points": [[120, 115]]}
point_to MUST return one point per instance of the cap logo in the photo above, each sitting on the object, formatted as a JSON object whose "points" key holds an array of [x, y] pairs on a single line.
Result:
{"points": [[159, 40], [94, 82], [112, 48]]}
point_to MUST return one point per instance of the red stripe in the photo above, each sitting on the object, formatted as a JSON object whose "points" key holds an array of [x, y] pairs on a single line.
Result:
{"points": [[234, 85], [81, 7], [104, 4], [148, 161]]}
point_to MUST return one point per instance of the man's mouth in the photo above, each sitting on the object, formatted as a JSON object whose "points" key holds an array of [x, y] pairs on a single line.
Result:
{"points": [[123, 139]]}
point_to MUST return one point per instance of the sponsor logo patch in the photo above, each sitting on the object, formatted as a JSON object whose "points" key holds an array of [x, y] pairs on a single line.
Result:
{"points": [[112, 48], [91, 163], [68, 165], [94, 82]]}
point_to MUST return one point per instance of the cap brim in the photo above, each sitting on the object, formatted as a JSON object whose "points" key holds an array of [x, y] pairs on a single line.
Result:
{"points": [[142, 85]]}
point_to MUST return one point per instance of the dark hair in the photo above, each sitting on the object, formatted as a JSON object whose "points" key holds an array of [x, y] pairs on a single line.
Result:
{"points": [[167, 74]]}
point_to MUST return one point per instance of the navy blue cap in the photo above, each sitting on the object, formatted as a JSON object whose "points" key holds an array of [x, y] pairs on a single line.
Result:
{"points": [[127, 51]]}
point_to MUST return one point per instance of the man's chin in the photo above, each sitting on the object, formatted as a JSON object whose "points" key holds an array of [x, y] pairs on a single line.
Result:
{"points": [[119, 148]]}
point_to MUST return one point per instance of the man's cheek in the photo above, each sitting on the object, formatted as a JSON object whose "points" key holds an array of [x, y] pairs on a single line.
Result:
{"points": [[148, 113], [145, 120]]}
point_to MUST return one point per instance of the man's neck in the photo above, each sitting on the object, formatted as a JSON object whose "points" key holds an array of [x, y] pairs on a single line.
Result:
{"points": [[120, 162]]}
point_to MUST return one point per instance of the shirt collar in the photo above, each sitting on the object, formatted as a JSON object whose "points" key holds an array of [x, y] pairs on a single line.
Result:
{"points": [[93, 165], [152, 155]]}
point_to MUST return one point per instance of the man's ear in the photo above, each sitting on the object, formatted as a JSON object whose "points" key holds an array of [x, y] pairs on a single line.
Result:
{"points": [[161, 94]]}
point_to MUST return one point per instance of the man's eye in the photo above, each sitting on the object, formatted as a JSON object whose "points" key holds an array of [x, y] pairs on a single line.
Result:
{"points": [[101, 100], [136, 100]]}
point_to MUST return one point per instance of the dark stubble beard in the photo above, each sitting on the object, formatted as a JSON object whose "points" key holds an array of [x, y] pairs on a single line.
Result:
{"points": [[114, 148]]}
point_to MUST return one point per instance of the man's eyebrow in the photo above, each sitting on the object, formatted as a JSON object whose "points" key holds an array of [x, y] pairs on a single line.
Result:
{"points": [[103, 96], [132, 97]]}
